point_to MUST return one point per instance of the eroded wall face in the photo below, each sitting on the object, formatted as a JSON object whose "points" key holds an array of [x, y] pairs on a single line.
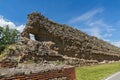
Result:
{"points": [[69, 41], [67, 73]]}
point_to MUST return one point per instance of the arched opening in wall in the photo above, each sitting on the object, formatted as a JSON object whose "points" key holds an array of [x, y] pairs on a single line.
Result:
{"points": [[32, 37]]}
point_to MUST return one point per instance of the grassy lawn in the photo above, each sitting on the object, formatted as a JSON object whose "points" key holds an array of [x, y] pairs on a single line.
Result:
{"points": [[97, 72]]}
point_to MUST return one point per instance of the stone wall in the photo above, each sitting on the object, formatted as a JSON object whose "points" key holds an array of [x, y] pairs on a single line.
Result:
{"points": [[7, 63], [69, 41], [66, 73]]}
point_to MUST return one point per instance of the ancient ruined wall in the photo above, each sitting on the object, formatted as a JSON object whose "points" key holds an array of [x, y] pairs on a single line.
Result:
{"points": [[66, 73], [7, 64], [69, 41]]}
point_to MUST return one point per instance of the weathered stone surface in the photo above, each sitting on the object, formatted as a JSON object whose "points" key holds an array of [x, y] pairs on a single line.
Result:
{"points": [[39, 72], [56, 42], [30, 51], [69, 41]]}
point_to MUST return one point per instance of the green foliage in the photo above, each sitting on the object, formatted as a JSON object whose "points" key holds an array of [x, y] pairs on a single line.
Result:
{"points": [[1, 31], [58, 62], [7, 36]]}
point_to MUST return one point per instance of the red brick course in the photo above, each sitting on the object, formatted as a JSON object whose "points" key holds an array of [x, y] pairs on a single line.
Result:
{"points": [[67, 73], [8, 64]]}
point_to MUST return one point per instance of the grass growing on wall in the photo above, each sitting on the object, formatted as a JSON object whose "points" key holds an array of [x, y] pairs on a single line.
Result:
{"points": [[97, 72]]}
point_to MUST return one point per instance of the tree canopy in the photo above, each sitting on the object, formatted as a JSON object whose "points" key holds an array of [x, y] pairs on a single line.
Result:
{"points": [[8, 35]]}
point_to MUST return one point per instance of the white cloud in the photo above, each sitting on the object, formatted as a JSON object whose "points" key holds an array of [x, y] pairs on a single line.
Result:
{"points": [[20, 28], [4, 22], [100, 27], [117, 43], [101, 24], [32, 37], [93, 31], [107, 35], [87, 15], [93, 25]]}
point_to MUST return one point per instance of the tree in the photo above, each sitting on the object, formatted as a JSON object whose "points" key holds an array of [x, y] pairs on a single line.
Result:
{"points": [[1, 31], [8, 36]]}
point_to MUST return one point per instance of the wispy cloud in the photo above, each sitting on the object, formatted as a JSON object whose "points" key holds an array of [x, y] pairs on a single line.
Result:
{"points": [[116, 43], [4, 22], [93, 24], [101, 24], [86, 16], [20, 27], [103, 29], [95, 31]]}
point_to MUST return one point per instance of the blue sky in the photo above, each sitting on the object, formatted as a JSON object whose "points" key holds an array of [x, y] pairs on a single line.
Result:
{"points": [[100, 18]]}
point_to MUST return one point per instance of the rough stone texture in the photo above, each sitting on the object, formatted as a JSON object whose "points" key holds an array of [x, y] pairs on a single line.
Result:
{"points": [[30, 50], [7, 63], [47, 72], [69, 41], [56, 42]]}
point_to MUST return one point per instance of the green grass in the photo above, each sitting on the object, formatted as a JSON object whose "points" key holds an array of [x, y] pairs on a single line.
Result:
{"points": [[97, 72], [2, 55]]}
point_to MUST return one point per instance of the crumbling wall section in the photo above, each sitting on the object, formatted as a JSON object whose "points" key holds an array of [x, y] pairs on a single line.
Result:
{"points": [[69, 41], [66, 73]]}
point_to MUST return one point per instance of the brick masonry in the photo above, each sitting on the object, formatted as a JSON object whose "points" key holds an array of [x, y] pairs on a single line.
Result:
{"points": [[66, 73], [7, 64]]}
